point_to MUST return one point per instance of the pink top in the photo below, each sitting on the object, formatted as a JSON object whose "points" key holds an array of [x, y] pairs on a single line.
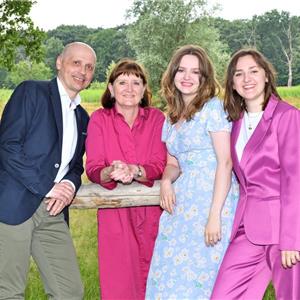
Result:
{"points": [[110, 138]]}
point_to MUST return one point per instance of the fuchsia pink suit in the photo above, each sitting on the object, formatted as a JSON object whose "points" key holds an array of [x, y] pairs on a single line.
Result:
{"points": [[126, 236], [267, 218]]}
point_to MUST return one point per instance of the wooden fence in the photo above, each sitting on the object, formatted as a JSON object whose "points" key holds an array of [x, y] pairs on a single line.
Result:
{"points": [[134, 194]]}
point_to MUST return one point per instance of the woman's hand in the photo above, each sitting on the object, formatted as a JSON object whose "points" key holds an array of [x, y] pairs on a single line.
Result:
{"points": [[121, 172], [289, 258], [212, 233], [167, 196]]}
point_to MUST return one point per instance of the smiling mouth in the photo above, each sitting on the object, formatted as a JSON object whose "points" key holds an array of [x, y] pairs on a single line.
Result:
{"points": [[79, 79], [186, 84], [248, 87]]}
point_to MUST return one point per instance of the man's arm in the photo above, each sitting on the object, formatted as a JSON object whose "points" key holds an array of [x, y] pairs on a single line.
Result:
{"points": [[14, 128]]}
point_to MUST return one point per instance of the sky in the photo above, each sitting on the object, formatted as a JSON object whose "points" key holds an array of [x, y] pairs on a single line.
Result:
{"points": [[48, 14]]}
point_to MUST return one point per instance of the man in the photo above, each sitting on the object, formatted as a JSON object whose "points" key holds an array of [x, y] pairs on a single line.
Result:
{"points": [[42, 135]]}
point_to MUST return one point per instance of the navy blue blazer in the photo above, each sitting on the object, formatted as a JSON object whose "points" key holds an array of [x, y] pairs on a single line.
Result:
{"points": [[30, 148]]}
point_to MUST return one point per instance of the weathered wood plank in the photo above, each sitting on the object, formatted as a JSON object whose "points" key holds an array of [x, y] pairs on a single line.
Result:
{"points": [[135, 194]]}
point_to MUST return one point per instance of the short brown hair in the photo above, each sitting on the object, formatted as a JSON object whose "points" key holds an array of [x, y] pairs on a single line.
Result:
{"points": [[126, 66]]}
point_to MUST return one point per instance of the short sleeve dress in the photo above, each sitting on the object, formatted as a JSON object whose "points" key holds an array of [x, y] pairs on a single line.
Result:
{"points": [[182, 266]]}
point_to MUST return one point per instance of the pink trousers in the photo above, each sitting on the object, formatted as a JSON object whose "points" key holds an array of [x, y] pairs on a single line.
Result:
{"points": [[247, 269]]}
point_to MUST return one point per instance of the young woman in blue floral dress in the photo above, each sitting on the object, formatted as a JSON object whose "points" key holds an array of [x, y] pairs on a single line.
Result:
{"points": [[198, 191]]}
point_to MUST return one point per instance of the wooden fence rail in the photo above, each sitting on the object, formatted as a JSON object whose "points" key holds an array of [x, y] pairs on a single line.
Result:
{"points": [[135, 194]]}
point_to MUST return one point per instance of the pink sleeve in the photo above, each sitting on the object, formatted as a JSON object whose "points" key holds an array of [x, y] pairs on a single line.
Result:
{"points": [[95, 156], [156, 163], [289, 155]]}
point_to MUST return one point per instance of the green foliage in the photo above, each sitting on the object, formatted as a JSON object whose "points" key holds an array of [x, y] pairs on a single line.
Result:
{"points": [[236, 34], [26, 70], [53, 47], [279, 38], [93, 94], [71, 33], [96, 85], [17, 30], [110, 45], [275, 34], [109, 70], [162, 26]]}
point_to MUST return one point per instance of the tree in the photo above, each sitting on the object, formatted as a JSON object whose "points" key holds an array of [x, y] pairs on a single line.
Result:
{"points": [[53, 47], [237, 33], [17, 30], [280, 42], [26, 70], [110, 45], [71, 33], [162, 26]]}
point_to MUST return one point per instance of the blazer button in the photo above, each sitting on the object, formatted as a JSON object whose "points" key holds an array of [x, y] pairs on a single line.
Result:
{"points": [[56, 166]]}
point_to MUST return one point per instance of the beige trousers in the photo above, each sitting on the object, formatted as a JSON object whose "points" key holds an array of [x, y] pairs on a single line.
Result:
{"points": [[47, 239]]}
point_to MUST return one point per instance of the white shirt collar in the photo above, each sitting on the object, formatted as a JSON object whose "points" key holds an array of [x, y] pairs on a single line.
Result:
{"points": [[65, 99]]}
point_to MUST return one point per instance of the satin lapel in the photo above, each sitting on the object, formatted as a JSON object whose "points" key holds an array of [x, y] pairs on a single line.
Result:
{"points": [[79, 130], [236, 127], [259, 132], [56, 104]]}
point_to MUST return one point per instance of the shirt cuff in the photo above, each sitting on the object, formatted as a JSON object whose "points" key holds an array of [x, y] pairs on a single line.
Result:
{"points": [[72, 184], [48, 195], [151, 173]]}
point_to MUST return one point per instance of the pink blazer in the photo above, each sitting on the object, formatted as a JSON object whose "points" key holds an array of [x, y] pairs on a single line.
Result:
{"points": [[269, 177]]}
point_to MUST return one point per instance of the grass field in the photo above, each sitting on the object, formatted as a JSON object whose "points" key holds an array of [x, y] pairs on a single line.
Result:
{"points": [[83, 223]]}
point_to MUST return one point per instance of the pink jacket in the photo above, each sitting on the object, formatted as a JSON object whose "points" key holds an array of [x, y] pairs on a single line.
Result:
{"points": [[269, 177]]}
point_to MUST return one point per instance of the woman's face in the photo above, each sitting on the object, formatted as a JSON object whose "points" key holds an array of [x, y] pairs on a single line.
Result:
{"points": [[249, 80], [187, 77], [128, 90]]}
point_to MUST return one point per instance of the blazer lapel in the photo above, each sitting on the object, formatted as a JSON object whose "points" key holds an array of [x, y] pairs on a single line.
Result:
{"points": [[259, 132], [234, 136], [79, 131], [56, 104]]}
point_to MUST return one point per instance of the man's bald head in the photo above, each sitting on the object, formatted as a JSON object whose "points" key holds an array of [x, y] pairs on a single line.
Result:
{"points": [[76, 66], [76, 45]]}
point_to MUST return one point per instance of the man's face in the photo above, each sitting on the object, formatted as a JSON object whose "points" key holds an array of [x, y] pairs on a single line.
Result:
{"points": [[76, 68]]}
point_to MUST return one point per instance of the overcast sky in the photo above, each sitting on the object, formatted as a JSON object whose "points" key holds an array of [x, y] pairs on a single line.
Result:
{"points": [[48, 14]]}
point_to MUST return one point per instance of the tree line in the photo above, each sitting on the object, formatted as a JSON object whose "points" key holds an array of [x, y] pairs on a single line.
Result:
{"points": [[155, 28]]}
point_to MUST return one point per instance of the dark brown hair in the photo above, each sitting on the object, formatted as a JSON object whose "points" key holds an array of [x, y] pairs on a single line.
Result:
{"points": [[126, 66], [208, 87], [233, 102]]}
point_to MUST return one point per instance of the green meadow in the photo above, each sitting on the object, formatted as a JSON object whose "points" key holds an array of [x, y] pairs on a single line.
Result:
{"points": [[83, 223]]}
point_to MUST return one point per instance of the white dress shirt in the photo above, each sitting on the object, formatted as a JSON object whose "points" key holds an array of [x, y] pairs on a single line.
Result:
{"points": [[70, 134]]}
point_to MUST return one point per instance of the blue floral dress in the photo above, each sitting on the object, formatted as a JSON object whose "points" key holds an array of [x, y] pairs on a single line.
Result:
{"points": [[182, 266]]}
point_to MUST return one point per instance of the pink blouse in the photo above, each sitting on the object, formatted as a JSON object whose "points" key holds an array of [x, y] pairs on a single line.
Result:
{"points": [[110, 138]]}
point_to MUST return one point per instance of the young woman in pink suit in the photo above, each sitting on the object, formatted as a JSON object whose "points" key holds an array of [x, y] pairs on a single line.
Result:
{"points": [[124, 144], [265, 140]]}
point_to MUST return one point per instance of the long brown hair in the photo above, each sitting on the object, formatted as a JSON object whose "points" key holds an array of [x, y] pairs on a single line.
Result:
{"points": [[234, 103], [208, 87], [126, 66]]}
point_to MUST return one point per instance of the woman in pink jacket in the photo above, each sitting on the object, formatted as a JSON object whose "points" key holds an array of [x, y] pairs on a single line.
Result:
{"points": [[124, 145], [265, 147]]}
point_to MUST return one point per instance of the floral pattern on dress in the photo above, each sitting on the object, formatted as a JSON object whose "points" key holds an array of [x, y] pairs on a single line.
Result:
{"points": [[182, 266]]}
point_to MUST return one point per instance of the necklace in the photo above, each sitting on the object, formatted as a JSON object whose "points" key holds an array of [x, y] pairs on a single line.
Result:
{"points": [[253, 119]]}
